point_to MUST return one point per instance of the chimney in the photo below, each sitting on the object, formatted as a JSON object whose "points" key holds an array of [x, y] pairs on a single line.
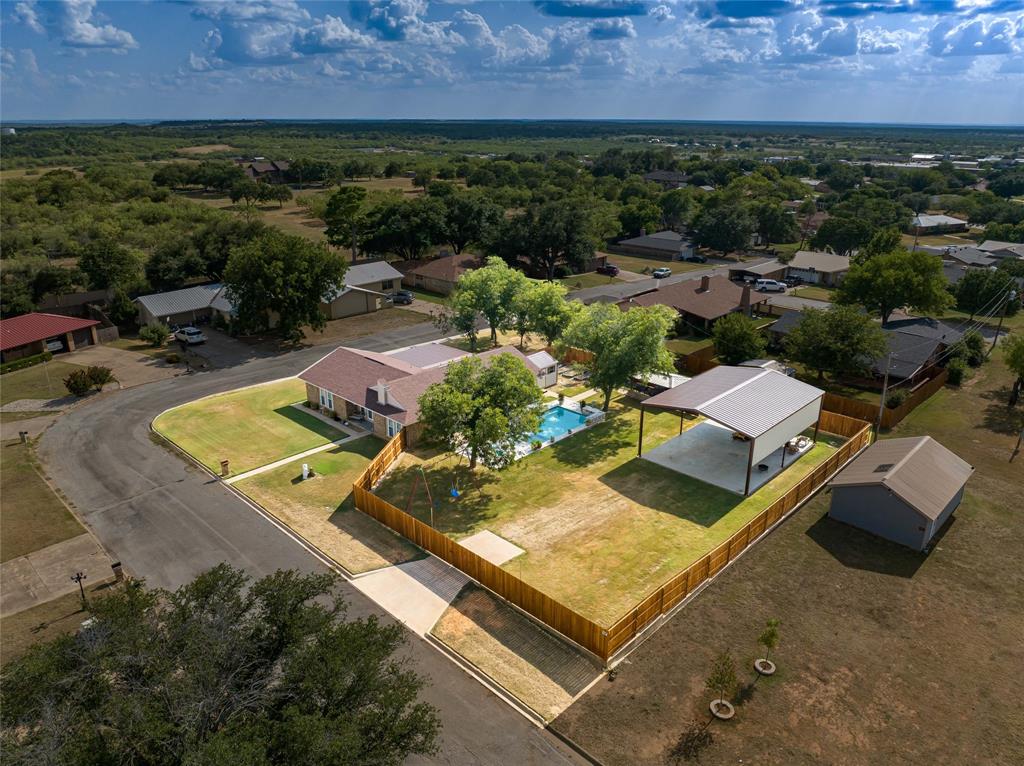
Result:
{"points": [[705, 283], [382, 392], [745, 300]]}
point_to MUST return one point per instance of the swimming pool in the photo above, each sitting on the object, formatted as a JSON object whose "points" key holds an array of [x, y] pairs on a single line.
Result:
{"points": [[557, 422]]}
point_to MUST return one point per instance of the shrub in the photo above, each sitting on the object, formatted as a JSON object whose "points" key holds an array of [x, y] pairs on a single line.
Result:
{"points": [[172, 358], [974, 345], [78, 382], [24, 362], [895, 397], [155, 334], [99, 376], [955, 371]]}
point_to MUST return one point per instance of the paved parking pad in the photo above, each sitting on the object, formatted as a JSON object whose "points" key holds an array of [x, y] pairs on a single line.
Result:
{"points": [[416, 593], [45, 574], [489, 546]]}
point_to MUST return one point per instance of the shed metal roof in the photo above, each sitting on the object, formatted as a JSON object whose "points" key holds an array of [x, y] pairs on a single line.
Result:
{"points": [[746, 399], [813, 260], [366, 273], [917, 469]]}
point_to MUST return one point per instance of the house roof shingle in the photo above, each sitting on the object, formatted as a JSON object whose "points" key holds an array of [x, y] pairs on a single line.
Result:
{"points": [[29, 328], [667, 241], [720, 298], [813, 260], [447, 268]]}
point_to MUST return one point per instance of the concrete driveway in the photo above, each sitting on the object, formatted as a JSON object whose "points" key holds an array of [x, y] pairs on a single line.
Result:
{"points": [[45, 574], [131, 368]]}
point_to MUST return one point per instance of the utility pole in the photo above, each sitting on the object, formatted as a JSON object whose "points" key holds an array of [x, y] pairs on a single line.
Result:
{"points": [[78, 577], [885, 389], [1002, 313]]}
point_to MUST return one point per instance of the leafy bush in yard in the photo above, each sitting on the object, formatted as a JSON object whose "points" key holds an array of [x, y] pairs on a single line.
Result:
{"points": [[99, 376], [975, 347], [78, 382], [25, 361], [172, 358], [155, 334], [896, 397], [955, 371]]}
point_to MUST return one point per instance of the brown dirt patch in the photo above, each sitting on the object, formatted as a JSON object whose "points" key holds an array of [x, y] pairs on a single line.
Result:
{"points": [[189, 151]]}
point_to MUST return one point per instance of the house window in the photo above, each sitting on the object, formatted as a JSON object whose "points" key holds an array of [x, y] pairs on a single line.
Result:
{"points": [[326, 399], [393, 427], [368, 414], [387, 284]]}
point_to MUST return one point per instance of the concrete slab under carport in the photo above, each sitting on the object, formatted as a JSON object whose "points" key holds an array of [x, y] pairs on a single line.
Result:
{"points": [[707, 452], [415, 593]]}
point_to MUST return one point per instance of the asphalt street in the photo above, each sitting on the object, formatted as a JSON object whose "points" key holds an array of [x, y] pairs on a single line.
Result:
{"points": [[167, 521]]}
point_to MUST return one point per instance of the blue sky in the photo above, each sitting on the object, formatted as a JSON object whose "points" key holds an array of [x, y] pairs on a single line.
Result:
{"points": [[908, 61]]}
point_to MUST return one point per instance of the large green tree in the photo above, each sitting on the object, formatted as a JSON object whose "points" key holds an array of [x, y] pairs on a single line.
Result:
{"points": [[469, 218], [724, 227], [546, 310], [107, 263], [343, 215], [1013, 356], [885, 283], [838, 340], [223, 670], [982, 290], [403, 227], [774, 223], [842, 235], [493, 291], [738, 339], [284, 276], [559, 233], [483, 408], [622, 344]]}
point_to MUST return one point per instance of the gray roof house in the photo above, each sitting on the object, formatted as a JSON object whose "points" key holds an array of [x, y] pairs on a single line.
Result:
{"points": [[184, 306], [971, 256], [367, 287], [1000, 250], [668, 245], [904, 490], [925, 222]]}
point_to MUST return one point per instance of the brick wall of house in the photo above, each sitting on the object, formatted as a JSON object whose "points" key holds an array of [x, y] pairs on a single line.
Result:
{"points": [[312, 394]]}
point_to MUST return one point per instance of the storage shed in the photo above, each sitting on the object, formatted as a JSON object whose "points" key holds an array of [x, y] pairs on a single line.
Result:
{"points": [[901, 489]]}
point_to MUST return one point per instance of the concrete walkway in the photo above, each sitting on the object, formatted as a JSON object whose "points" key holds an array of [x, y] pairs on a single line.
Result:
{"points": [[292, 458], [416, 593], [45, 574]]}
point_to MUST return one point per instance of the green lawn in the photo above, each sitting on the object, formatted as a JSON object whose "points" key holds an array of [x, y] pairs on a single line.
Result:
{"points": [[140, 347], [423, 295], [958, 318], [638, 265], [813, 293], [601, 528], [250, 427], [687, 345], [31, 515], [44, 381], [320, 509], [590, 279]]}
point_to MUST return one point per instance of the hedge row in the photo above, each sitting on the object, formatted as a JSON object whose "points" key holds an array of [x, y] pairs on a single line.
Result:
{"points": [[25, 361]]}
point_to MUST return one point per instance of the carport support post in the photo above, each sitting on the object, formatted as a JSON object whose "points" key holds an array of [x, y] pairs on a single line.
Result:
{"points": [[750, 465], [640, 439]]}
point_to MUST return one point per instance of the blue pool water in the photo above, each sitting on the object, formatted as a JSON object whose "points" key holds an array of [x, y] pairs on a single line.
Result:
{"points": [[558, 421]]}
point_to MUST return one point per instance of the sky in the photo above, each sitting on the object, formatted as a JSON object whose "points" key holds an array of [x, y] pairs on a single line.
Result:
{"points": [[896, 61]]}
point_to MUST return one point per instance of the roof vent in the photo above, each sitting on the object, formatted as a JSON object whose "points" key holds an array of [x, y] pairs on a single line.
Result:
{"points": [[884, 468]]}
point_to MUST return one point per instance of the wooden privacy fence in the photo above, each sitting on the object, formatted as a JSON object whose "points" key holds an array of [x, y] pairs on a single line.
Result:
{"points": [[675, 590], [603, 642], [890, 415]]}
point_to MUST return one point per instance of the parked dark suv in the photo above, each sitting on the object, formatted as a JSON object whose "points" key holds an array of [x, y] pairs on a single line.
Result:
{"points": [[402, 298], [696, 258], [609, 268]]}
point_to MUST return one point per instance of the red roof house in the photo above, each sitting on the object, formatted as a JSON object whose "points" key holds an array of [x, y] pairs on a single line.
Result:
{"points": [[35, 333]]}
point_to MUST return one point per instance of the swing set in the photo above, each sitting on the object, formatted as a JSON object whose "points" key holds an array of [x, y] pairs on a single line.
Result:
{"points": [[454, 490]]}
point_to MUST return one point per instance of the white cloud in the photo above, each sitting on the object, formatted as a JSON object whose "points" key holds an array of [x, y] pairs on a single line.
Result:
{"points": [[75, 24], [328, 35], [249, 10], [26, 14], [974, 38]]}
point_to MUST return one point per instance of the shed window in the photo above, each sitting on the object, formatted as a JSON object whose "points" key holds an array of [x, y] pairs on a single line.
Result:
{"points": [[387, 284]]}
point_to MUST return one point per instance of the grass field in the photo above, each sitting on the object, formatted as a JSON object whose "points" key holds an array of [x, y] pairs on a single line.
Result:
{"points": [[14, 417], [637, 265], [601, 528], [20, 632], [687, 345], [423, 295], [590, 279], [250, 427], [31, 515], [875, 639], [392, 318], [483, 341], [813, 293], [44, 381], [320, 509]]}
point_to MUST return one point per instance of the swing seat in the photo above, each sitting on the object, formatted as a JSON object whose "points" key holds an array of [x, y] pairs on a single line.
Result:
{"points": [[454, 492]]}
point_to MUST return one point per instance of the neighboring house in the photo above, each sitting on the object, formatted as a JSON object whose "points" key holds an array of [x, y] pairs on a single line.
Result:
{"points": [[937, 224], [75, 304], [814, 221], [997, 249], [186, 306], [700, 302], [904, 490], [440, 275], [953, 272], [31, 334], [262, 169], [971, 256], [383, 390], [818, 268], [668, 179], [367, 287], [666, 245], [817, 185], [773, 269], [769, 364]]}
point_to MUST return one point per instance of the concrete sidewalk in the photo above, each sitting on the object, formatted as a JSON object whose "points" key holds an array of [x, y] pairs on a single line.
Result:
{"points": [[45, 574]]}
